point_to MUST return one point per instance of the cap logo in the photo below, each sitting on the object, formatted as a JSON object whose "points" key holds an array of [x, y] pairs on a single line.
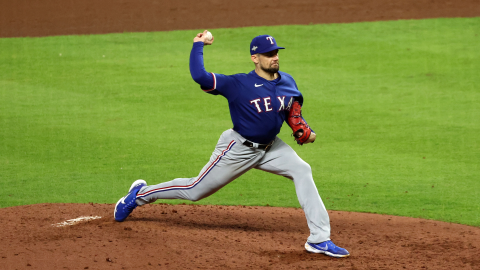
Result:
{"points": [[271, 40], [254, 48]]}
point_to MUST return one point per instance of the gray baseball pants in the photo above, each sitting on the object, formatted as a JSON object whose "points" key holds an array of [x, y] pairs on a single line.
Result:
{"points": [[231, 159]]}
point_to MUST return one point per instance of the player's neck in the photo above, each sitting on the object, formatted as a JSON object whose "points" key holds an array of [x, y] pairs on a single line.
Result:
{"points": [[266, 75]]}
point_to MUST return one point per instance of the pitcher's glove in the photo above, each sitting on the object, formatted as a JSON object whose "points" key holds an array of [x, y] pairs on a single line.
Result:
{"points": [[301, 130]]}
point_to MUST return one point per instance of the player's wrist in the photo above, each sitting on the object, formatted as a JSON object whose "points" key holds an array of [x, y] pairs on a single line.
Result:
{"points": [[312, 137]]}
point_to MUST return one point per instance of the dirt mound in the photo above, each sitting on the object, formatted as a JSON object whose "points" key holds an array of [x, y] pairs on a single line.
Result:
{"points": [[223, 237]]}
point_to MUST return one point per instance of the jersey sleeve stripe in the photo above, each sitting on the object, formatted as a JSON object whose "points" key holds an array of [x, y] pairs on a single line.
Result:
{"points": [[199, 179], [214, 83]]}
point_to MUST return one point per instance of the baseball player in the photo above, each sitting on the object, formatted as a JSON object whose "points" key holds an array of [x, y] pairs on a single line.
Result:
{"points": [[259, 101]]}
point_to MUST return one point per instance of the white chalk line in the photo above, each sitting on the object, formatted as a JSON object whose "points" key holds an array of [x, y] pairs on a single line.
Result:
{"points": [[74, 221]]}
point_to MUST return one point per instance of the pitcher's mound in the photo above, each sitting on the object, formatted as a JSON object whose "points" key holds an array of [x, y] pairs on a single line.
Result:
{"points": [[85, 236]]}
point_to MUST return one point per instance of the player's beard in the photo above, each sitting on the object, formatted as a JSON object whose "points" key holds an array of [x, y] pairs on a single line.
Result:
{"points": [[272, 69]]}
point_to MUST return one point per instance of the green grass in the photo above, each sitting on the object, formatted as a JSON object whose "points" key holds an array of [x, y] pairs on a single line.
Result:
{"points": [[395, 106]]}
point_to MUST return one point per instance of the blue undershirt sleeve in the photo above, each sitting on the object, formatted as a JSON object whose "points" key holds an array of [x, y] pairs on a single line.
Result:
{"points": [[308, 125]]}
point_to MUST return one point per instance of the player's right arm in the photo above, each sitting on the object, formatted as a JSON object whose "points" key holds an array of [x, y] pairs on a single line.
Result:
{"points": [[211, 83], [205, 79]]}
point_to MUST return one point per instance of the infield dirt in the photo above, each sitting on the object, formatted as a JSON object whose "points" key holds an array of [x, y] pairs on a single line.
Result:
{"points": [[218, 237], [35, 18]]}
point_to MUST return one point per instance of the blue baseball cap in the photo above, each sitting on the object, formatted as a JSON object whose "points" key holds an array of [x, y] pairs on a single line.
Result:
{"points": [[263, 44]]}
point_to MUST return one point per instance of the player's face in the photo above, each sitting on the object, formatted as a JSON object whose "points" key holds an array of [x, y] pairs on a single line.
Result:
{"points": [[269, 61]]}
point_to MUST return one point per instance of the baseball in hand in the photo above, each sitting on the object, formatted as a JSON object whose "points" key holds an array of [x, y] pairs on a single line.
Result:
{"points": [[208, 36]]}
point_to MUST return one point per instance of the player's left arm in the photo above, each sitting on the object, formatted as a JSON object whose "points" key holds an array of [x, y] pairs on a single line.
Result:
{"points": [[302, 127], [301, 130]]}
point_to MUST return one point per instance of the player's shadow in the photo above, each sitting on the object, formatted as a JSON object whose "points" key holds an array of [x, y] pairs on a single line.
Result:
{"points": [[292, 225]]}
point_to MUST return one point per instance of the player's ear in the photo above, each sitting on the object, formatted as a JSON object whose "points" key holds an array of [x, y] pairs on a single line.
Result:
{"points": [[254, 58]]}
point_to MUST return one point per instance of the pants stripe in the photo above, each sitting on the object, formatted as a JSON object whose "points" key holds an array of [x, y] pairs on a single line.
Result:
{"points": [[205, 173]]}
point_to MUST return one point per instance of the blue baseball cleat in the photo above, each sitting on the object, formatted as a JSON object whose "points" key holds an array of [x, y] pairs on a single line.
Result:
{"points": [[125, 205], [327, 248]]}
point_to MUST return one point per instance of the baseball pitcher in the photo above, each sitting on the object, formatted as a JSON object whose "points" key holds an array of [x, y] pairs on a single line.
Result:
{"points": [[259, 101]]}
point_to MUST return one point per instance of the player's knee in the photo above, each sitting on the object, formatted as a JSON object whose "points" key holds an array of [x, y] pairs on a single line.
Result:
{"points": [[197, 196], [304, 167], [301, 169]]}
